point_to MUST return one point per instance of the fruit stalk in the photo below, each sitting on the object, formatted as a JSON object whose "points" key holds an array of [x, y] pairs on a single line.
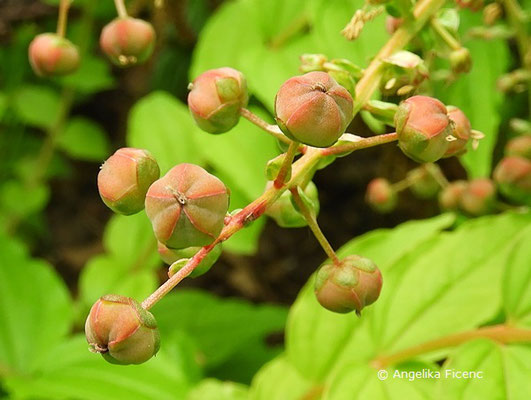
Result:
{"points": [[63, 17], [273, 130], [120, 8], [286, 164]]}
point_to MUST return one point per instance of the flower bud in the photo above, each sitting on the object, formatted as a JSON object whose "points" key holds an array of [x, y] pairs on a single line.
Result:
{"points": [[170, 256], [450, 196], [128, 41], [424, 183], [125, 178], [121, 330], [479, 197], [460, 60], [52, 55], [513, 176], [423, 126], [461, 132], [284, 212], [313, 109], [381, 196], [216, 97], [519, 146], [402, 71], [352, 285], [312, 62], [187, 207]]}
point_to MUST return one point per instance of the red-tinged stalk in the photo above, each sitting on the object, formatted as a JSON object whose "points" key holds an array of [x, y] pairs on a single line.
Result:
{"points": [[286, 165]]}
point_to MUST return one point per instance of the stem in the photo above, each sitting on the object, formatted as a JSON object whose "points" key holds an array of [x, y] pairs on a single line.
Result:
{"points": [[498, 333], [286, 164], [62, 20], [314, 226], [403, 184], [273, 130], [438, 176], [364, 143], [120, 8], [452, 42]]}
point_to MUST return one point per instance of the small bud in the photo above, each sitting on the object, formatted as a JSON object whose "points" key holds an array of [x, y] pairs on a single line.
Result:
{"points": [[513, 177], [519, 146], [450, 196], [125, 178], [402, 69], [352, 285], [392, 24], [423, 126], [381, 196], [52, 55], [216, 97], [479, 197], [424, 183], [121, 330], [187, 207], [128, 41], [461, 132], [285, 213], [312, 62], [460, 60], [170, 256], [313, 109], [491, 13]]}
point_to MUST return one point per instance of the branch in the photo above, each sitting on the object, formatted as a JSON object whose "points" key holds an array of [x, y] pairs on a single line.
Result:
{"points": [[273, 130]]}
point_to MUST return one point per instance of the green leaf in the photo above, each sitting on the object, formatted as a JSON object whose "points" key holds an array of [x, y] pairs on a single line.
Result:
{"points": [[279, 380], [72, 372], [37, 105], [19, 200], [93, 75], [517, 282], [34, 309], [3, 104], [212, 389], [505, 372], [220, 327], [84, 140]]}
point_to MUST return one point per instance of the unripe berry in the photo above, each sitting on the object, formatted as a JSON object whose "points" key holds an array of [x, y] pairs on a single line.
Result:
{"points": [[170, 256], [283, 210], [519, 146], [461, 132], [187, 207], [513, 176], [479, 197], [128, 41], [124, 179], [450, 196], [460, 60], [381, 196], [52, 55], [121, 330], [424, 183], [352, 285], [422, 125], [216, 97], [313, 109]]}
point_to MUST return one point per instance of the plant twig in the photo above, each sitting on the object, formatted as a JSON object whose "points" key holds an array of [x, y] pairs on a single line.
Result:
{"points": [[120, 8], [273, 130], [364, 143], [446, 36], [62, 20], [286, 165]]}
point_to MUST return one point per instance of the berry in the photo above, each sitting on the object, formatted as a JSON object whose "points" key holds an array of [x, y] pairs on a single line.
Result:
{"points": [[381, 196], [121, 330], [450, 196], [461, 132], [187, 207], [124, 179], [479, 197], [422, 125], [352, 285], [424, 183], [460, 60], [128, 41], [519, 146], [170, 256], [313, 109], [216, 97], [513, 177], [53, 55], [284, 212]]}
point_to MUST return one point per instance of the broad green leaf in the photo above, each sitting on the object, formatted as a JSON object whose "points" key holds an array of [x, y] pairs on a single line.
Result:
{"points": [[34, 309], [37, 105], [505, 372], [84, 140], [220, 327], [3, 104], [72, 372], [280, 380], [212, 389], [316, 336], [93, 75], [20, 200], [517, 282]]}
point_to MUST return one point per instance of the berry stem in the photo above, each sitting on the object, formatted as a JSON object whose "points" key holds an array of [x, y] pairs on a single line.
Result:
{"points": [[286, 165], [273, 130], [62, 20], [314, 226], [403, 184], [361, 144], [443, 33], [120, 8], [499, 333], [438, 175]]}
